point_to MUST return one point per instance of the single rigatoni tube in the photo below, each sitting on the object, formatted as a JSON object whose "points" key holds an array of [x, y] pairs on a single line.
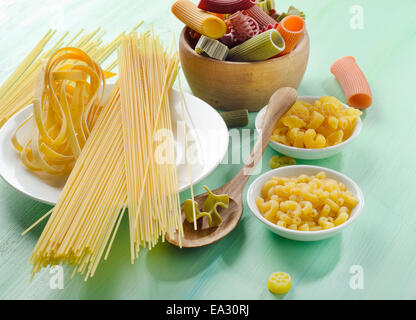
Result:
{"points": [[211, 48], [353, 81], [226, 6], [199, 20], [262, 18], [261, 47], [292, 29], [243, 27]]}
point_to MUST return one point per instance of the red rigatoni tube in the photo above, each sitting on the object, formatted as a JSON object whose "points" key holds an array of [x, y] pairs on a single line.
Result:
{"points": [[226, 6], [353, 81], [291, 28], [262, 18]]}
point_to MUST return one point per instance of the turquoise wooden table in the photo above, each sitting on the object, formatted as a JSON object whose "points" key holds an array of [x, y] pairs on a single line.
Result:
{"points": [[379, 248]]}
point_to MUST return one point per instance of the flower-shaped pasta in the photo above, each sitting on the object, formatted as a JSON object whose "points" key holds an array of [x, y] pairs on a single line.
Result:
{"points": [[210, 208]]}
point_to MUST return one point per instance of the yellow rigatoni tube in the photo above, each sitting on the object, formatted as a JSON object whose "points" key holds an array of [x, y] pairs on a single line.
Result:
{"points": [[199, 20]]}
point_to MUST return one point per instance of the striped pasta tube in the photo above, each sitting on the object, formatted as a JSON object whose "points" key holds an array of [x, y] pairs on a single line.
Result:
{"points": [[211, 48], [199, 20], [262, 18], [261, 47], [353, 81], [228, 39], [226, 6], [243, 27], [291, 28]]}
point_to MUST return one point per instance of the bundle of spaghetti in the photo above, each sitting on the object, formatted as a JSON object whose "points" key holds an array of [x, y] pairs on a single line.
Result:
{"points": [[84, 222], [292, 29], [262, 18], [199, 20], [71, 88], [147, 73], [225, 6], [261, 47], [18, 90], [243, 27]]}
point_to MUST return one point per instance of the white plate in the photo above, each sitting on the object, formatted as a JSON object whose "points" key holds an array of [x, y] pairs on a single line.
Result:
{"points": [[309, 154], [208, 146], [293, 171]]}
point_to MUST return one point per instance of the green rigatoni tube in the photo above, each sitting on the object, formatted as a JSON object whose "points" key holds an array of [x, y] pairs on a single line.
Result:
{"points": [[261, 47], [236, 118], [211, 48]]}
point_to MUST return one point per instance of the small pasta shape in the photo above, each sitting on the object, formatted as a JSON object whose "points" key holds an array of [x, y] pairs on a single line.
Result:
{"points": [[312, 140], [342, 217], [306, 203]]}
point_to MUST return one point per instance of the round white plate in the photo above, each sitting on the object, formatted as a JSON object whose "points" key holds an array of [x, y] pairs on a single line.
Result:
{"points": [[207, 145]]}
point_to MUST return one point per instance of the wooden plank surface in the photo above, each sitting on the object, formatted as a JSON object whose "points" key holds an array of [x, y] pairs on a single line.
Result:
{"points": [[381, 161]]}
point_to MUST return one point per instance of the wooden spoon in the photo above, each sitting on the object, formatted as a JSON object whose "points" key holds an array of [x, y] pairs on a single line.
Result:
{"points": [[279, 104]]}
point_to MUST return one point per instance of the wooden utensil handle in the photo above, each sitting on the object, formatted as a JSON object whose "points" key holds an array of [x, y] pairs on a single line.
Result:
{"points": [[280, 102]]}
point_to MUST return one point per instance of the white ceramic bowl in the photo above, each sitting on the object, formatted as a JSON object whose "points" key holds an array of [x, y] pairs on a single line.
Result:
{"points": [[309, 154], [292, 171]]}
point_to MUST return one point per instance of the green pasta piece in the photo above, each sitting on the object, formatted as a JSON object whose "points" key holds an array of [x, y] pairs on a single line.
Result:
{"points": [[267, 5], [211, 48], [292, 11], [261, 47], [236, 118], [276, 162], [210, 208], [189, 211]]}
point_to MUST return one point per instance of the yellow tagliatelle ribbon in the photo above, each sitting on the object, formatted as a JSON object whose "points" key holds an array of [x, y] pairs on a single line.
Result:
{"points": [[65, 109]]}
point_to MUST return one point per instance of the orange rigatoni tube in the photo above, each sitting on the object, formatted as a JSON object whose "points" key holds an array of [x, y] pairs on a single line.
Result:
{"points": [[199, 20], [291, 28], [353, 81]]}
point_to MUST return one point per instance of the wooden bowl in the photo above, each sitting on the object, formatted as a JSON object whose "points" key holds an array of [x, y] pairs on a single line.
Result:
{"points": [[231, 85]]}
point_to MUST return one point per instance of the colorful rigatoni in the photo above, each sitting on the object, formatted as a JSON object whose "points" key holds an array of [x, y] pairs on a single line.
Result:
{"points": [[353, 81], [226, 6], [262, 18], [243, 27], [199, 20], [261, 47], [211, 48], [292, 29]]}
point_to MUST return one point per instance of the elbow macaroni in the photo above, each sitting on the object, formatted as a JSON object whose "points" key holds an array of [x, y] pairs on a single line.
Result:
{"points": [[323, 124], [306, 203]]}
